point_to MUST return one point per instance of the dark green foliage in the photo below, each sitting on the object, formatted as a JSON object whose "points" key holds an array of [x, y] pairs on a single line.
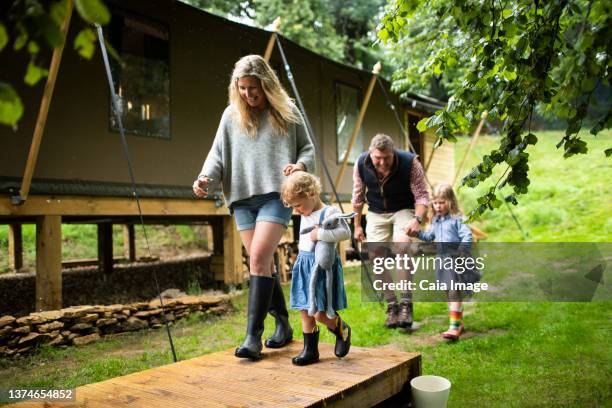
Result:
{"points": [[506, 58], [342, 30], [33, 24]]}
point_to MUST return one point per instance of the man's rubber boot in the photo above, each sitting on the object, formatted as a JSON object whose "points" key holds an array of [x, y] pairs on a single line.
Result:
{"points": [[278, 308], [260, 293], [310, 353], [404, 316]]}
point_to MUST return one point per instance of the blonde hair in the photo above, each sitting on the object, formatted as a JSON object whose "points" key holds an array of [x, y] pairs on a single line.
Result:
{"points": [[445, 192], [298, 185], [281, 109]]}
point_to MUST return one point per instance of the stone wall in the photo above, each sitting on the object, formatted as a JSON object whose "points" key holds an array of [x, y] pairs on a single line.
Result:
{"points": [[127, 283], [81, 325]]}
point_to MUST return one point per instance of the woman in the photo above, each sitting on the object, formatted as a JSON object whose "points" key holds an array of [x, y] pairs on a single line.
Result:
{"points": [[261, 139]]}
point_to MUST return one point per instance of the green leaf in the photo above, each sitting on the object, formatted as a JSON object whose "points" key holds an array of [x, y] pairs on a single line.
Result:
{"points": [[383, 35], [438, 143], [513, 157], [93, 11], [531, 139], [11, 107], [34, 74], [58, 11], [3, 37], [51, 31], [422, 125], [508, 75], [84, 43], [33, 47], [21, 40], [608, 152]]}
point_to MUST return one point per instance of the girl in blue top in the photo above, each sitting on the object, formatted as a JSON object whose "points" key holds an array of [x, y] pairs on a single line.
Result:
{"points": [[446, 228]]}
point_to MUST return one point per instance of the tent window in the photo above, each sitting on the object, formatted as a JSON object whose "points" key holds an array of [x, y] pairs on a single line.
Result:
{"points": [[347, 110], [142, 77]]}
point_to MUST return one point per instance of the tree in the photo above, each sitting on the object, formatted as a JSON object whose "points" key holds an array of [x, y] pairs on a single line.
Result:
{"points": [[342, 30], [32, 24], [508, 58]]}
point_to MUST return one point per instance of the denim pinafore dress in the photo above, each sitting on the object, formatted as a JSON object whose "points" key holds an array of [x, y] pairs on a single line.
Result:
{"points": [[300, 281]]}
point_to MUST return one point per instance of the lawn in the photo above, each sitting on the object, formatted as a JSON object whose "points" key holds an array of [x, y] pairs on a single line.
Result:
{"points": [[536, 354]]}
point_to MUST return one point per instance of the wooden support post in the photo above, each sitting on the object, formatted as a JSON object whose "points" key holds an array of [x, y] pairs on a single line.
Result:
{"points": [[342, 251], [362, 111], [483, 117], [129, 243], [48, 262], [208, 234], [275, 27], [44, 109], [105, 247], [15, 247], [282, 263], [232, 253]]}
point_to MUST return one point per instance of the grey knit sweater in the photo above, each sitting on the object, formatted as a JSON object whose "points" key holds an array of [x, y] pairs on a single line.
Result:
{"points": [[248, 166]]}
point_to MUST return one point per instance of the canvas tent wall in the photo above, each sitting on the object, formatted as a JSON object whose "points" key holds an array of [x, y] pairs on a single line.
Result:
{"points": [[81, 173]]}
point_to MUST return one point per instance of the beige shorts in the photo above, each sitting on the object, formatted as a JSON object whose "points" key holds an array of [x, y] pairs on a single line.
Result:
{"points": [[388, 227]]}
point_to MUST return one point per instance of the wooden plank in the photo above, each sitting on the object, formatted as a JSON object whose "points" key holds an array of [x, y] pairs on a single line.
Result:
{"points": [[108, 206], [49, 263], [15, 247], [43, 111], [105, 247], [129, 242], [362, 111], [232, 253], [364, 378]]}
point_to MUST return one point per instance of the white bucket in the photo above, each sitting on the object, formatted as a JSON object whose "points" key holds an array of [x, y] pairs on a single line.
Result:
{"points": [[430, 391]]}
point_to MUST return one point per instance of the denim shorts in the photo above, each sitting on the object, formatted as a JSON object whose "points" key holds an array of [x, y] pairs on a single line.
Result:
{"points": [[264, 207]]}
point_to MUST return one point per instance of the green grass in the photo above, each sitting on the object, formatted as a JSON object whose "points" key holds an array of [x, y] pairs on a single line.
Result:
{"points": [[533, 354], [80, 241], [513, 354], [568, 199]]}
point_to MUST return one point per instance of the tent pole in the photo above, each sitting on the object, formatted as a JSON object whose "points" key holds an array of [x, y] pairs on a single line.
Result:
{"points": [[364, 107], [275, 27], [483, 117], [42, 113]]}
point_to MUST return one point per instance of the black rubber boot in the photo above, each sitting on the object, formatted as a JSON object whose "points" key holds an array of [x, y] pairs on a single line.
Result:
{"points": [[260, 292], [278, 308], [343, 338], [310, 353]]}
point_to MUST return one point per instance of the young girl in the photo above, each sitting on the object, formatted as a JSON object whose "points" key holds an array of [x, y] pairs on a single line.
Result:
{"points": [[301, 191], [446, 228]]}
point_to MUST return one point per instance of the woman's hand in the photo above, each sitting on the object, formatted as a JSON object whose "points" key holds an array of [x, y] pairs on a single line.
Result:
{"points": [[200, 186], [290, 168]]}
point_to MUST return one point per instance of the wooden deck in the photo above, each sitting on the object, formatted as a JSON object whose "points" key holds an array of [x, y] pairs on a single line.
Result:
{"points": [[364, 378]]}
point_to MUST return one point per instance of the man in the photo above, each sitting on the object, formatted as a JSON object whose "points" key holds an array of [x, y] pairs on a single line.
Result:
{"points": [[393, 184]]}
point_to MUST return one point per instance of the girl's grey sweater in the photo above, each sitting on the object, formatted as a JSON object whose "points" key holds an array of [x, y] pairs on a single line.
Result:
{"points": [[247, 166]]}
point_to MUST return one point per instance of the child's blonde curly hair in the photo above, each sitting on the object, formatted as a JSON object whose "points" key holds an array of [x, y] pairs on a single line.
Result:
{"points": [[298, 185]]}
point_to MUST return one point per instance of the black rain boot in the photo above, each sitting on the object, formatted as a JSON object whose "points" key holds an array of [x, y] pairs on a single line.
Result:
{"points": [[343, 337], [260, 292], [283, 333], [310, 353]]}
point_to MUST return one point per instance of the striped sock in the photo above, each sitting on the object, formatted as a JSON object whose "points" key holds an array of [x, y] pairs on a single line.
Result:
{"points": [[456, 315]]}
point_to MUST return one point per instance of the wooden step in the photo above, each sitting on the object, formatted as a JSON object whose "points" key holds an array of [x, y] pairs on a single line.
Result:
{"points": [[364, 378]]}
